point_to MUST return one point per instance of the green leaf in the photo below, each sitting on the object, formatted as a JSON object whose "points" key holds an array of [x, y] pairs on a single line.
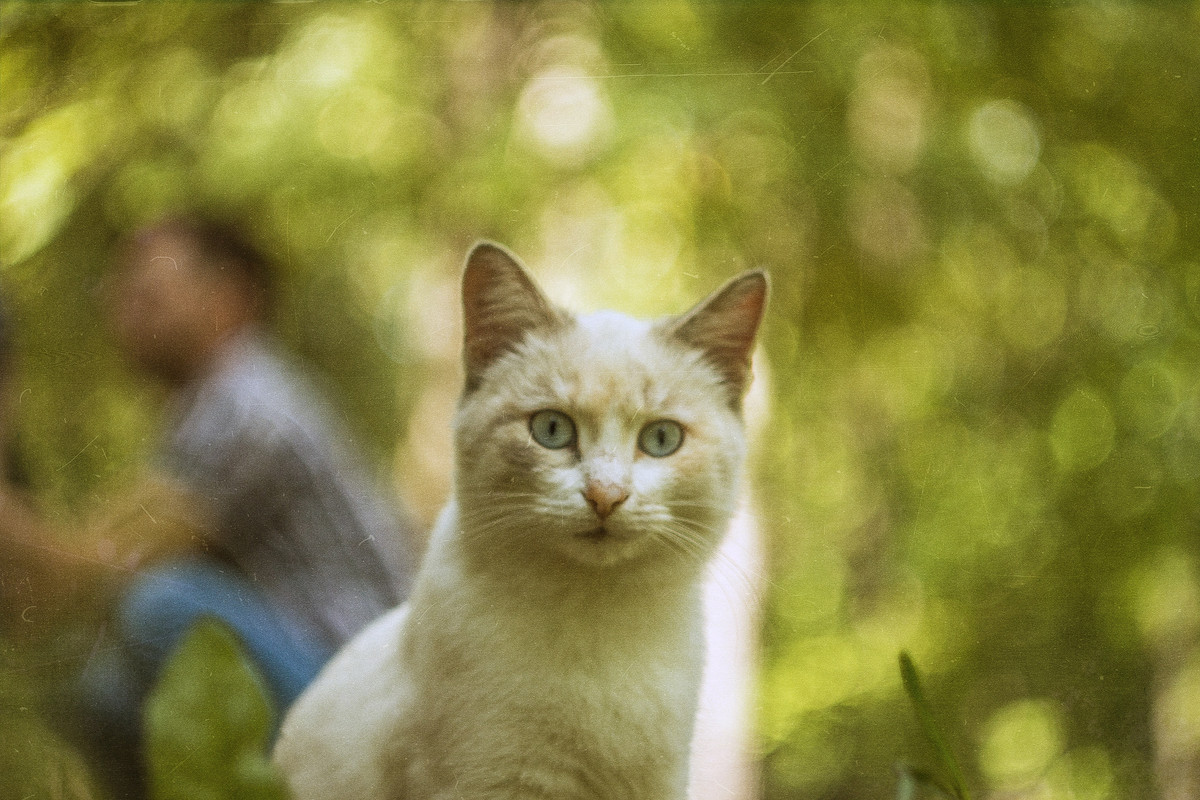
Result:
{"points": [[912, 686], [209, 723]]}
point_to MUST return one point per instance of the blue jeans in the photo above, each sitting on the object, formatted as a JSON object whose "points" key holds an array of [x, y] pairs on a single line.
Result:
{"points": [[153, 615]]}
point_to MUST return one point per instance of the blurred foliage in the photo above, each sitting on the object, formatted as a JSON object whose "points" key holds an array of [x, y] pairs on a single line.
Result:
{"points": [[209, 723], [982, 223], [35, 761], [948, 780]]}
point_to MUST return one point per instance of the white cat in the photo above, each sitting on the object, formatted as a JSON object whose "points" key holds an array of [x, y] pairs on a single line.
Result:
{"points": [[552, 646]]}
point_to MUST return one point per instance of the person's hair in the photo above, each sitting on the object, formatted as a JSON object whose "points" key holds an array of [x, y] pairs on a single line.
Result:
{"points": [[222, 245]]}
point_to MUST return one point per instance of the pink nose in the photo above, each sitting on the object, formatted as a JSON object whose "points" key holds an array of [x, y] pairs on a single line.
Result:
{"points": [[603, 497]]}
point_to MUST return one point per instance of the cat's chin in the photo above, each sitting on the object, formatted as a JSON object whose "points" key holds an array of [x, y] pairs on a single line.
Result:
{"points": [[603, 546]]}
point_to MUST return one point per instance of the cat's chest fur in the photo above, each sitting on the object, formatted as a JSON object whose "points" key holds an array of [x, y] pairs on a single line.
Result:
{"points": [[478, 689], [550, 693]]}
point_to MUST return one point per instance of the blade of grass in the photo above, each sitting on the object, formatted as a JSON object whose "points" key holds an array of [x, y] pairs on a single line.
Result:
{"points": [[916, 695], [912, 778]]}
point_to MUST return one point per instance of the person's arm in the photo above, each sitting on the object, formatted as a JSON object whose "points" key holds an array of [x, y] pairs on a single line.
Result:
{"points": [[29, 544], [157, 518], [50, 565], [45, 572]]}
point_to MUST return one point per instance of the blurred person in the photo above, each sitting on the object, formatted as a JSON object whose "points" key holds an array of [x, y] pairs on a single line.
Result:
{"points": [[256, 512]]}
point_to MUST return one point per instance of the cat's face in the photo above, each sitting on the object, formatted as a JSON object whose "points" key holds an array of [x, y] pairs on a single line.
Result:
{"points": [[599, 438]]}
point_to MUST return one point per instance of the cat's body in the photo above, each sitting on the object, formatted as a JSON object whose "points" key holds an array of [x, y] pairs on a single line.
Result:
{"points": [[552, 646]]}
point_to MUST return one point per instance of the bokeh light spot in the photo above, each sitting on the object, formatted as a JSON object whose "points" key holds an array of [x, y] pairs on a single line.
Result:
{"points": [[1020, 741], [1118, 192], [328, 53], [357, 122], [248, 115], [1151, 398], [888, 109], [1121, 299], [36, 169], [564, 113], [886, 222], [1082, 431], [1004, 140], [33, 199], [1178, 711], [1165, 596]]}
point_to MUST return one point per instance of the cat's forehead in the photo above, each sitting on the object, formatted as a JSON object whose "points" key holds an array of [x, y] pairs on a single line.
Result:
{"points": [[608, 362], [612, 327], [610, 349], [611, 360]]}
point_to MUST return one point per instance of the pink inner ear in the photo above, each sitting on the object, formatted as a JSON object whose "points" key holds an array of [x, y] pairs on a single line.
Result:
{"points": [[745, 314], [501, 304], [724, 326]]}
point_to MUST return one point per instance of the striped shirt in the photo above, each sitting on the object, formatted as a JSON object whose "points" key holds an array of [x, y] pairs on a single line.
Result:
{"points": [[294, 511]]}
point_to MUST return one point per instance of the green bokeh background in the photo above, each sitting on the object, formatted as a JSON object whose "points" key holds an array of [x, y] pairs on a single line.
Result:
{"points": [[981, 221]]}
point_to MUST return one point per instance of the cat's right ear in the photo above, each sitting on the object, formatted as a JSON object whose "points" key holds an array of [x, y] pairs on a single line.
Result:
{"points": [[501, 304]]}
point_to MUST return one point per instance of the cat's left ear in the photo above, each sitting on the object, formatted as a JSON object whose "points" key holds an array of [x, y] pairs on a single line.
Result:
{"points": [[501, 304], [723, 327]]}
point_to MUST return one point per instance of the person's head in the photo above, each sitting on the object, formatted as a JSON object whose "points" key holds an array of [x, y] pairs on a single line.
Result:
{"points": [[184, 286]]}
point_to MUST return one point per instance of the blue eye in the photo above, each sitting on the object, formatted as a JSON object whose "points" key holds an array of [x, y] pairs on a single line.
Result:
{"points": [[661, 438], [552, 429]]}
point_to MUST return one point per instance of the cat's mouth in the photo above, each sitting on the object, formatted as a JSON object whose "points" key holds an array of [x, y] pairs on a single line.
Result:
{"points": [[596, 534], [604, 545]]}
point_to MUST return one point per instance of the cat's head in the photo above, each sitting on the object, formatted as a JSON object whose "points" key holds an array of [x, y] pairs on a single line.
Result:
{"points": [[599, 438]]}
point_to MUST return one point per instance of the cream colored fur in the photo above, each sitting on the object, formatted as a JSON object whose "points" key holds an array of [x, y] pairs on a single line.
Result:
{"points": [[537, 656]]}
